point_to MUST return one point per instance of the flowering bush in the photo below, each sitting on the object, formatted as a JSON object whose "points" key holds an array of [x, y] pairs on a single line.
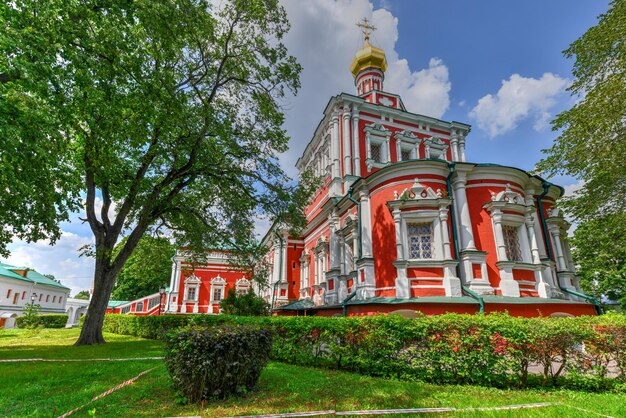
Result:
{"points": [[492, 350]]}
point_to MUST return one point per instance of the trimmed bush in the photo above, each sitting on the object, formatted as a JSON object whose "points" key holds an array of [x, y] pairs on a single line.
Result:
{"points": [[491, 350], [215, 362], [44, 321]]}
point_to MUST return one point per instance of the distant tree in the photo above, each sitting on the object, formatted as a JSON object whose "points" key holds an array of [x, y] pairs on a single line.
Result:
{"points": [[147, 269], [599, 250], [149, 115], [83, 294], [247, 304], [592, 134], [30, 319], [52, 277]]}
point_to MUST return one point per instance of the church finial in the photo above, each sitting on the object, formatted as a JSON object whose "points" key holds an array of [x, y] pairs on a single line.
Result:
{"points": [[367, 28]]}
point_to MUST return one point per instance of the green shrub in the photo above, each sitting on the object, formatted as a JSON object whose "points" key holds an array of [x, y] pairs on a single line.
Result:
{"points": [[44, 321], [247, 304], [491, 350], [215, 362]]}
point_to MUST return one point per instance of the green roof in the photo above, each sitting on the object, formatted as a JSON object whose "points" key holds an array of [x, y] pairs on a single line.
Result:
{"points": [[31, 276], [297, 306], [41, 279], [116, 303]]}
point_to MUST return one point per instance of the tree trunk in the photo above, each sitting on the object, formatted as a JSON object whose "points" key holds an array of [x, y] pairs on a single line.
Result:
{"points": [[103, 282]]}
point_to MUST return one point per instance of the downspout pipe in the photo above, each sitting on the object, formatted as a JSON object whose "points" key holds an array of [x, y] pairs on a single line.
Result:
{"points": [[455, 239], [280, 268], [544, 229], [344, 308], [358, 216]]}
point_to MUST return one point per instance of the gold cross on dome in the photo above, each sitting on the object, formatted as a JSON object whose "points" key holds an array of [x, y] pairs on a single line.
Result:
{"points": [[366, 27]]}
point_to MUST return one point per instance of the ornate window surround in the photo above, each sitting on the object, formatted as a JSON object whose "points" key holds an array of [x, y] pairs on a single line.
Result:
{"points": [[218, 283], [405, 140], [422, 204], [192, 282], [436, 148], [509, 208], [376, 133], [242, 286], [305, 270]]}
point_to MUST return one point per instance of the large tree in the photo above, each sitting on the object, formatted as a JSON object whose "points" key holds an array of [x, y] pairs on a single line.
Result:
{"points": [[592, 134], [600, 253], [150, 115], [146, 270], [591, 146]]}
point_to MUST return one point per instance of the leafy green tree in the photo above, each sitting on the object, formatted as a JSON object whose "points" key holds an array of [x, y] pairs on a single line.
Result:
{"points": [[147, 269], [30, 319], [149, 115], [592, 141], [247, 304], [83, 294], [599, 250]]}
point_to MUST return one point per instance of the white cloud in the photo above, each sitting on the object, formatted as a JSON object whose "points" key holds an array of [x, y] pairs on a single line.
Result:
{"points": [[61, 260], [570, 189], [518, 99], [324, 38]]}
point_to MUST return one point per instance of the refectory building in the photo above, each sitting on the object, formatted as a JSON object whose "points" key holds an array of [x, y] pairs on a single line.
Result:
{"points": [[402, 221]]}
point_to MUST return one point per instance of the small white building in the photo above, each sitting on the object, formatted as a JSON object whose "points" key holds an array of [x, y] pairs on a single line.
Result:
{"points": [[21, 286]]}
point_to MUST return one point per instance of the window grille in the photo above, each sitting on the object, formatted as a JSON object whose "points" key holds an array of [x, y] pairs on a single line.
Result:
{"points": [[376, 152], [153, 302], [125, 309], [139, 307], [405, 154], [511, 242], [420, 237], [217, 295], [191, 293]]}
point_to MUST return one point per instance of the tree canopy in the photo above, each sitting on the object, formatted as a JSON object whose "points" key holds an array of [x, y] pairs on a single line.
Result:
{"points": [[599, 250], [592, 134], [148, 115], [146, 270], [83, 294]]}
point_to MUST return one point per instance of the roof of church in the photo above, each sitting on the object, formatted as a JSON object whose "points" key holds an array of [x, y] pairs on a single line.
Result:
{"points": [[368, 57]]}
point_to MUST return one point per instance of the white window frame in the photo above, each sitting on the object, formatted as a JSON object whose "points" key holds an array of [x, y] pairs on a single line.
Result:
{"points": [[242, 286], [218, 283], [420, 217], [376, 133], [192, 282], [436, 148], [405, 140]]}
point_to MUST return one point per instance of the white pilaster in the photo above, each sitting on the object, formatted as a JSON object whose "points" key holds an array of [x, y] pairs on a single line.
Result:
{"points": [[355, 140], [334, 143], [347, 157], [366, 224], [460, 201]]}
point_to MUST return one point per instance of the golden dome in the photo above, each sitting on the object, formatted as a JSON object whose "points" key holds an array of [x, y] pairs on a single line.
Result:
{"points": [[368, 57]]}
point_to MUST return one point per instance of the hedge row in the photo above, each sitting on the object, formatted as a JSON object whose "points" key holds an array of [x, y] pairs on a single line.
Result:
{"points": [[44, 321], [493, 350]]}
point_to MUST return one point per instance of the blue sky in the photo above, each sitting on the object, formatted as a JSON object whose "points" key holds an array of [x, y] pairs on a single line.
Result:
{"points": [[497, 65]]}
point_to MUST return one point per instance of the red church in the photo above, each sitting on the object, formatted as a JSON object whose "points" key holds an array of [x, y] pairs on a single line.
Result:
{"points": [[403, 222]]}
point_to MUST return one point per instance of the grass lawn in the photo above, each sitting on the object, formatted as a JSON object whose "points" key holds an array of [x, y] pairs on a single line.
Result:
{"points": [[35, 389]]}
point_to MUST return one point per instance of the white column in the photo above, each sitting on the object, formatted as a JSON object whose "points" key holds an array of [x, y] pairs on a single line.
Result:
{"points": [[445, 236], [454, 144], [460, 198], [368, 147], [530, 228], [462, 149], [527, 256], [500, 245], [387, 150], [399, 242], [355, 140], [366, 224], [347, 158], [334, 144], [333, 244], [556, 236]]}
